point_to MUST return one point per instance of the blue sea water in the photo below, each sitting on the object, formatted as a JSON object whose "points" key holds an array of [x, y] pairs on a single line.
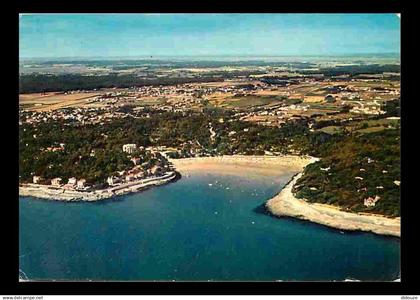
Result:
{"points": [[190, 230]]}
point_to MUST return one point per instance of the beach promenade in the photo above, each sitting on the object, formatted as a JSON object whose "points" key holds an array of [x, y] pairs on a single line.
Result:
{"points": [[61, 194]]}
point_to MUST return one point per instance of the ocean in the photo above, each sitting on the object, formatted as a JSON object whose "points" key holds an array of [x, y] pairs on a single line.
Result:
{"points": [[205, 227]]}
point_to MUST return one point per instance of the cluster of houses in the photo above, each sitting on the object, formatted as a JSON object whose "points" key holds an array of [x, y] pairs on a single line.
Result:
{"points": [[129, 148], [138, 171], [80, 115], [72, 182], [367, 110]]}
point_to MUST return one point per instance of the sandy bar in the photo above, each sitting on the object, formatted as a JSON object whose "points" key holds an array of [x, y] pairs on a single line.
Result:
{"points": [[286, 204]]}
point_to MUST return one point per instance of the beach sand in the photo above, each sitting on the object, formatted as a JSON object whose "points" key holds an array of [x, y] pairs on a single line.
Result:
{"points": [[241, 165]]}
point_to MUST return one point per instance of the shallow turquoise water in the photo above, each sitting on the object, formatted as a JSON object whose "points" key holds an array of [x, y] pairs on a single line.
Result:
{"points": [[189, 230]]}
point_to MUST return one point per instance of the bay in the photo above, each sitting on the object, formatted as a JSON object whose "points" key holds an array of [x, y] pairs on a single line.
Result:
{"points": [[203, 227]]}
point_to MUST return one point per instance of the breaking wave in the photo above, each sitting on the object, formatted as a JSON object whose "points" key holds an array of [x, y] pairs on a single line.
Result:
{"points": [[23, 276]]}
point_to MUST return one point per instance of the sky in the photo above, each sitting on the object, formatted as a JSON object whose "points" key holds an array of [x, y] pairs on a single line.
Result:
{"points": [[125, 35]]}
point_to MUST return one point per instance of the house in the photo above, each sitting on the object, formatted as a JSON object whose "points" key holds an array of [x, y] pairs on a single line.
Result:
{"points": [[112, 180], [81, 183], [56, 181], [135, 160], [369, 202], [36, 179], [129, 177], [129, 148], [156, 170], [140, 175], [72, 181]]}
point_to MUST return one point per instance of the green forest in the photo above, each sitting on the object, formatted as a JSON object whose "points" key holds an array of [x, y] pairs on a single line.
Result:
{"points": [[353, 169], [161, 129], [40, 83], [375, 157]]}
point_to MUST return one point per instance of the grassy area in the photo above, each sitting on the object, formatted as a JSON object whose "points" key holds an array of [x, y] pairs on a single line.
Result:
{"points": [[371, 129], [151, 101], [250, 101], [365, 126], [369, 126], [331, 129], [324, 107]]}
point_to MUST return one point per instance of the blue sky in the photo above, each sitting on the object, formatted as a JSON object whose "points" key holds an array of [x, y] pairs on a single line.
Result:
{"points": [[94, 35]]}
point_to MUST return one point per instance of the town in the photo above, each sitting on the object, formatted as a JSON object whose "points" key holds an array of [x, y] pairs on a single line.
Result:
{"points": [[136, 131]]}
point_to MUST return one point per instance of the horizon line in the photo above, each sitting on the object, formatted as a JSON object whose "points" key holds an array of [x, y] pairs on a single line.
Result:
{"points": [[214, 55]]}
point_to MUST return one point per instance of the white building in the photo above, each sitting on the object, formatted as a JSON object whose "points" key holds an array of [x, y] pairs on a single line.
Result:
{"points": [[36, 179], [72, 181], [129, 148], [81, 183], [140, 175], [129, 177], [56, 181], [112, 180], [369, 202]]}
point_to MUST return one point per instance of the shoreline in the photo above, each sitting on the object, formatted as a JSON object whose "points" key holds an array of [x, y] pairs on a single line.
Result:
{"points": [[68, 195], [237, 164], [231, 165], [285, 204]]}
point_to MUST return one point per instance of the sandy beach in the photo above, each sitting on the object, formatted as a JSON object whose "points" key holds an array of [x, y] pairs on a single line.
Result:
{"points": [[238, 164], [286, 204]]}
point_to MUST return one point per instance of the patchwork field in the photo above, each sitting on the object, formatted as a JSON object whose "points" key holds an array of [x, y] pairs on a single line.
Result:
{"points": [[250, 101], [53, 101]]}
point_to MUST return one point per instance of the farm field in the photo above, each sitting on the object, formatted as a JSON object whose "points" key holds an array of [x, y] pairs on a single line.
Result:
{"points": [[365, 126], [53, 101], [250, 101]]}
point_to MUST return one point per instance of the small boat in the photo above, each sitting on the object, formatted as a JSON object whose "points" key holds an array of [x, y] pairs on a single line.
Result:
{"points": [[210, 184], [342, 232]]}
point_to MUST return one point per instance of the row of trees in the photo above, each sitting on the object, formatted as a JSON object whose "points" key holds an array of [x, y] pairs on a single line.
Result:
{"points": [[38, 83]]}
